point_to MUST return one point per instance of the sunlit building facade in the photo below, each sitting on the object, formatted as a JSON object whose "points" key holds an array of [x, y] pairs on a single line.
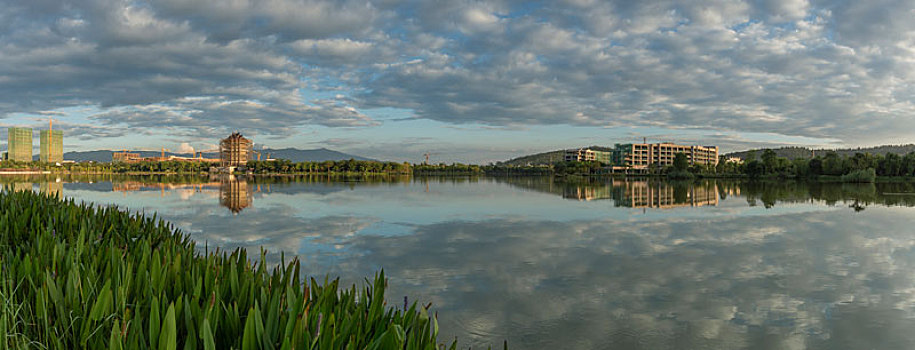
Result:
{"points": [[235, 150], [19, 144], [51, 146], [642, 155], [588, 155]]}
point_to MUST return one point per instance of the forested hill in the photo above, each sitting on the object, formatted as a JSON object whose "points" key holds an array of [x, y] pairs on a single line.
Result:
{"points": [[807, 153], [787, 152], [545, 158]]}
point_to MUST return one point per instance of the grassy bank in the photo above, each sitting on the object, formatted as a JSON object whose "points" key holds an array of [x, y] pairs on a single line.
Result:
{"points": [[74, 276]]}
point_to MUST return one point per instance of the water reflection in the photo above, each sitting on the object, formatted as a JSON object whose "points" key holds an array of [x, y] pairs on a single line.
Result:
{"points": [[235, 194], [589, 264], [51, 188], [796, 281], [660, 194], [644, 193], [21, 186]]}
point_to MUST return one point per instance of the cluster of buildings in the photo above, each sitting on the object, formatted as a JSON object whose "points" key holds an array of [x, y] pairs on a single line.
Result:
{"points": [[234, 152], [128, 157], [640, 156], [19, 145]]}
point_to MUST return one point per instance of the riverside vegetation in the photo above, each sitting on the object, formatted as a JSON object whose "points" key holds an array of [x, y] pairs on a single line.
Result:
{"points": [[860, 167], [77, 276]]}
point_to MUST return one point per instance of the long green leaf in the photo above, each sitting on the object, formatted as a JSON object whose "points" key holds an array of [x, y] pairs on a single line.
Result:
{"points": [[207, 336], [168, 339]]}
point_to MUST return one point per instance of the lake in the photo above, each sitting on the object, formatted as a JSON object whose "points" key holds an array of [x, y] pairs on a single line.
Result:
{"points": [[600, 264]]}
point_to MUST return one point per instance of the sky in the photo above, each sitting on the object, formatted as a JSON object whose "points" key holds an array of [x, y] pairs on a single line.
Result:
{"points": [[467, 81]]}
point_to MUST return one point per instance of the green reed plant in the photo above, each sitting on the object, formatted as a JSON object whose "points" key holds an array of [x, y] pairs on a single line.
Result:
{"points": [[76, 276]]}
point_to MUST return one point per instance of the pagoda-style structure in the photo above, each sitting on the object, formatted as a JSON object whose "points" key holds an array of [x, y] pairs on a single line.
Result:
{"points": [[234, 150]]}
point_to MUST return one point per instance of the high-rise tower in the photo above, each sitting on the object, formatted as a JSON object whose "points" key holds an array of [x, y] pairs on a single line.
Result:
{"points": [[52, 146], [19, 144]]}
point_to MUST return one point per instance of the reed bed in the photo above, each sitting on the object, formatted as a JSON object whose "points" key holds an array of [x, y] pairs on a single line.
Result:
{"points": [[76, 276]]}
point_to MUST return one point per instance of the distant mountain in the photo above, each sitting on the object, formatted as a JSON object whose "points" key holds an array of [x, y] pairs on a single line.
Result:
{"points": [[545, 158], [293, 154], [807, 153], [308, 155], [104, 156]]}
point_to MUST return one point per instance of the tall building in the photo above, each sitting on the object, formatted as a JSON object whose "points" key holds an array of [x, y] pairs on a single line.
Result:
{"points": [[641, 155], [52, 146], [234, 150], [19, 144]]}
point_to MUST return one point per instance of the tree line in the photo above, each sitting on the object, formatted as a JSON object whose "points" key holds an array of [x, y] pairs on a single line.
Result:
{"points": [[829, 164], [860, 166]]}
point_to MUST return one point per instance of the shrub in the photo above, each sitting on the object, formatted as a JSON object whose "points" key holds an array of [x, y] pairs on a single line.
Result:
{"points": [[680, 175], [863, 176]]}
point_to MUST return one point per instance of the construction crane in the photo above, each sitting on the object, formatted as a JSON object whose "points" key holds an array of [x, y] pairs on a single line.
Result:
{"points": [[50, 133], [200, 153], [163, 152], [259, 155]]}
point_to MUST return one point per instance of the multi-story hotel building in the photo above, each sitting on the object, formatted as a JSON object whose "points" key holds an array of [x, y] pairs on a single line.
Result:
{"points": [[586, 155], [641, 155]]}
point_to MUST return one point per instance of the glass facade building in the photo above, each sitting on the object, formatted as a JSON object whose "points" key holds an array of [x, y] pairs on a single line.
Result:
{"points": [[52, 146], [19, 144]]}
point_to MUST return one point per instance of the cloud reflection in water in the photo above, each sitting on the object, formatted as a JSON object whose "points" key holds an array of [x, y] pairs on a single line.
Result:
{"points": [[546, 272]]}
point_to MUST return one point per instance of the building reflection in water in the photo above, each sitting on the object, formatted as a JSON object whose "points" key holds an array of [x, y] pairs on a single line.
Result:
{"points": [[663, 195], [20, 186], [587, 192], [647, 194], [235, 194], [51, 187]]}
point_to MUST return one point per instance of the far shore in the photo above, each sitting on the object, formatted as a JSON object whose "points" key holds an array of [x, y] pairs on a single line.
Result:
{"points": [[23, 172]]}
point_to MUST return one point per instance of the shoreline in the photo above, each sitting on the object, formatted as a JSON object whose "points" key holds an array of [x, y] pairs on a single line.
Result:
{"points": [[821, 178], [27, 172]]}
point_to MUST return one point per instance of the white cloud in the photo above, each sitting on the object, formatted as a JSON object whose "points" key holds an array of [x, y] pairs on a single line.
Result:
{"points": [[185, 148], [789, 67]]}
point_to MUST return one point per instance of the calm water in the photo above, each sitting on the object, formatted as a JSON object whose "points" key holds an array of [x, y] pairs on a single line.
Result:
{"points": [[599, 265]]}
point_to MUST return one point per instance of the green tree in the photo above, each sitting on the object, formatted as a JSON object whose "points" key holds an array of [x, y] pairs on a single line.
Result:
{"points": [[770, 160], [832, 164], [751, 156], [680, 162]]}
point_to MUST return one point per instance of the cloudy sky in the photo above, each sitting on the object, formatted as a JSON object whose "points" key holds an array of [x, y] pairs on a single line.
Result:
{"points": [[471, 81]]}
